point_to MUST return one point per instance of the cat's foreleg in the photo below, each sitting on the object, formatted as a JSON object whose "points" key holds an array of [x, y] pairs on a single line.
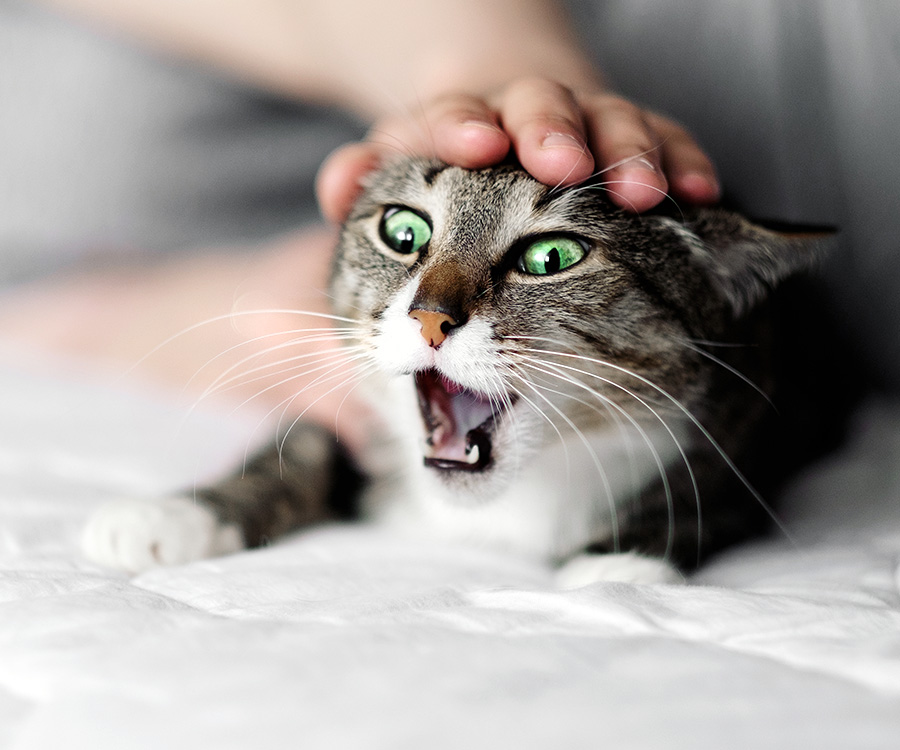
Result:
{"points": [[306, 479], [672, 527], [620, 567]]}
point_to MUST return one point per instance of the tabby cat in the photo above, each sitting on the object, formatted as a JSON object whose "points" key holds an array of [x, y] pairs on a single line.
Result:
{"points": [[559, 378]]}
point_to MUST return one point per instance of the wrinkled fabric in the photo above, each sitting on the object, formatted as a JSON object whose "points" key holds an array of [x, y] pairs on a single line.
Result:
{"points": [[347, 637]]}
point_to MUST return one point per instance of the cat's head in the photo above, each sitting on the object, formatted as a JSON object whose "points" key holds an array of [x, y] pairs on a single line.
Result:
{"points": [[520, 311]]}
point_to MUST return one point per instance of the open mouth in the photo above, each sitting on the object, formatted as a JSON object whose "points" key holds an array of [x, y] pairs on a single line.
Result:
{"points": [[459, 423]]}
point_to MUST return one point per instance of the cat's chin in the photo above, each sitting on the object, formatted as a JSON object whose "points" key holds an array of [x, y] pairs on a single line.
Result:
{"points": [[466, 489]]}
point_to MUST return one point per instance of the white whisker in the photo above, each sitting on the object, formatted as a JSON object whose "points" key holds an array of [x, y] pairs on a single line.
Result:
{"points": [[687, 413], [540, 412], [604, 478], [559, 187], [291, 373], [231, 316], [645, 437], [316, 334], [357, 375], [609, 409], [734, 371], [225, 382]]}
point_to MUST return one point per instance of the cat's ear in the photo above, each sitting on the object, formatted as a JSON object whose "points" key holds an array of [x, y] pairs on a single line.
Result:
{"points": [[747, 259]]}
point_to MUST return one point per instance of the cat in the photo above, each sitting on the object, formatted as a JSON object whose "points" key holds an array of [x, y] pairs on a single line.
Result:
{"points": [[559, 378]]}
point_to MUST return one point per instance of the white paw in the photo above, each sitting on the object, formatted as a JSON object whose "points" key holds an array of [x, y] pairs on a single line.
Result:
{"points": [[627, 567], [136, 535]]}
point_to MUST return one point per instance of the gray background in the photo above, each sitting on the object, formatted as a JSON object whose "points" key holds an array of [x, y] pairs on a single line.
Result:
{"points": [[109, 148]]}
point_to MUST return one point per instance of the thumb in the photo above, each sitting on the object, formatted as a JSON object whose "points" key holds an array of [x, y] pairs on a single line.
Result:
{"points": [[338, 182]]}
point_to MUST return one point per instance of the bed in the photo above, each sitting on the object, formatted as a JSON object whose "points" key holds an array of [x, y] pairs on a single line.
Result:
{"points": [[346, 637]]}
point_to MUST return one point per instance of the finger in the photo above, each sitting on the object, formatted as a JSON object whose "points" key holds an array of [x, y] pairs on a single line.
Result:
{"points": [[458, 129], [690, 172], [465, 132], [547, 129], [339, 180], [627, 150]]}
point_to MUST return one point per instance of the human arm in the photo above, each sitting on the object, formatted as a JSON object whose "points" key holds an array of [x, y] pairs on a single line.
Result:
{"points": [[463, 80]]}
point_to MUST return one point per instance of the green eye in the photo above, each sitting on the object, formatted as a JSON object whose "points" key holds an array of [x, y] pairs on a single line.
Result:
{"points": [[404, 231], [550, 255]]}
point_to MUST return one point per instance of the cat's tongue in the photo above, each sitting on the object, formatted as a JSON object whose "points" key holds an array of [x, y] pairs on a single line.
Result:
{"points": [[456, 422]]}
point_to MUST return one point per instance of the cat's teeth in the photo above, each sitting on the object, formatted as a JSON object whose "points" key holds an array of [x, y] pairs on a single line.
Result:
{"points": [[473, 453], [439, 436]]}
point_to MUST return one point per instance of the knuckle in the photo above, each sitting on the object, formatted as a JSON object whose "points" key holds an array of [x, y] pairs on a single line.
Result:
{"points": [[538, 83], [666, 126], [543, 93], [457, 105], [555, 122], [618, 105]]}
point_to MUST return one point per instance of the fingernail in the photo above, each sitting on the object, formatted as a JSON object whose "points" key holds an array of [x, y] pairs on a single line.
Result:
{"points": [[484, 125], [563, 140], [645, 163]]}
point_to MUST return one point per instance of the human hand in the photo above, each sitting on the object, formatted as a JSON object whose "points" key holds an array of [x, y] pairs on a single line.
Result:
{"points": [[561, 136]]}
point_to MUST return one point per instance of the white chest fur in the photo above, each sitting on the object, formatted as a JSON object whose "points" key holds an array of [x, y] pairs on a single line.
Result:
{"points": [[562, 498]]}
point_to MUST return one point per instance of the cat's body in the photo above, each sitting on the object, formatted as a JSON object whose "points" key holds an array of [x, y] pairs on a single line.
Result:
{"points": [[556, 377]]}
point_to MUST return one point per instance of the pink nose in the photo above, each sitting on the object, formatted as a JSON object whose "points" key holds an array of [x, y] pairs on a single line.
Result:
{"points": [[435, 325]]}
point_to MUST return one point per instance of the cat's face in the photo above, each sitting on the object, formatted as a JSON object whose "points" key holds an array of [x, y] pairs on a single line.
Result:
{"points": [[521, 313]]}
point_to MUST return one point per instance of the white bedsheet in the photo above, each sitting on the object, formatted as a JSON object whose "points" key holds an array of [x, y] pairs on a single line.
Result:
{"points": [[344, 637]]}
